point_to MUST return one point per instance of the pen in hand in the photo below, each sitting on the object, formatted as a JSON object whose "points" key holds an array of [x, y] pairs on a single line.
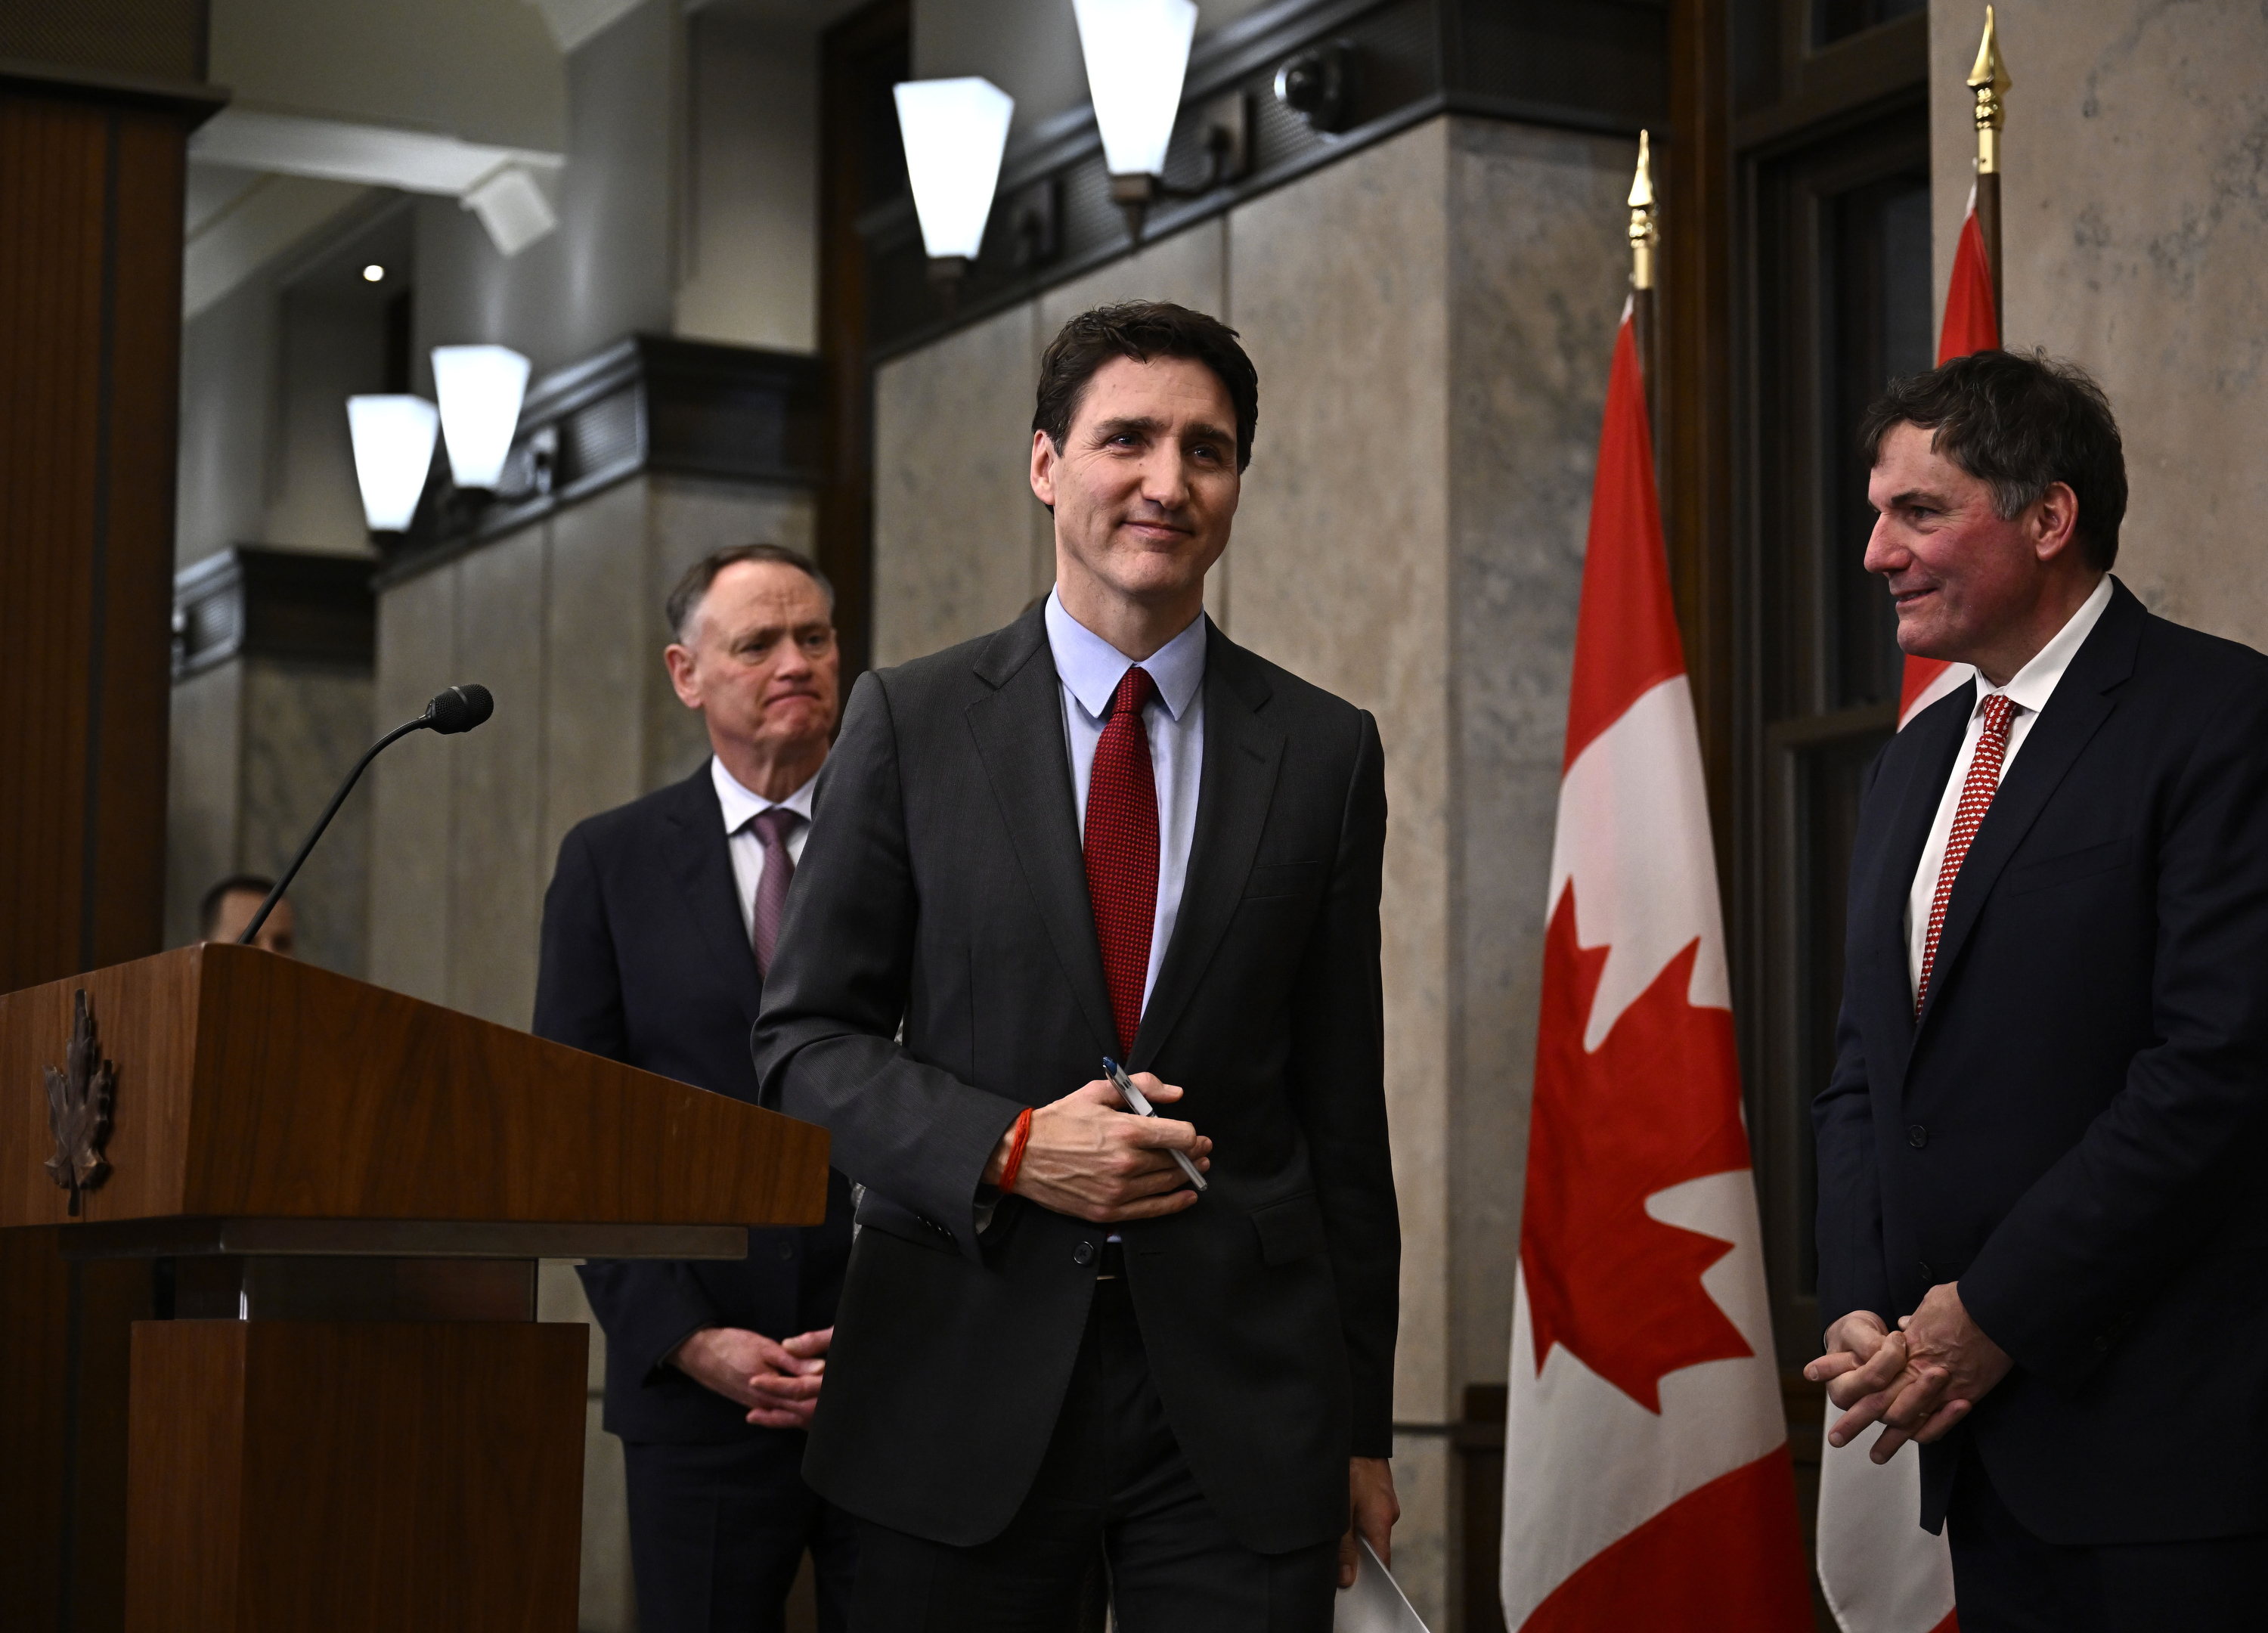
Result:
{"points": [[1139, 1104]]}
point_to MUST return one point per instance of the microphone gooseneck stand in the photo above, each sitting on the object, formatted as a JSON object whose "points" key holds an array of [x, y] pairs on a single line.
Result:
{"points": [[458, 709]]}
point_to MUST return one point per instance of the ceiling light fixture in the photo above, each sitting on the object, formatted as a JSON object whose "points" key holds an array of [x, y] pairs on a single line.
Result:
{"points": [[479, 388], [954, 131], [393, 454], [372, 273]]}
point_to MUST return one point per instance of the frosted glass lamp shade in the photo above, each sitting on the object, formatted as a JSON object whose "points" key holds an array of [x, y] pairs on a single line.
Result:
{"points": [[479, 388], [954, 131], [1136, 52], [392, 451]]}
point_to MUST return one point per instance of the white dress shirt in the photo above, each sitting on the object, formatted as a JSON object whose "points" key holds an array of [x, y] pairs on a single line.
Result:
{"points": [[741, 836], [1090, 668], [2030, 689]]}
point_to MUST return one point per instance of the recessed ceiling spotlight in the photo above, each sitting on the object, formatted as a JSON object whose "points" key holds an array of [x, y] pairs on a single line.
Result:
{"points": [[372, 273]]}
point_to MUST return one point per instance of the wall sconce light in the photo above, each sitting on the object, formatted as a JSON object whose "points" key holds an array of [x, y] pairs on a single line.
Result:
{"points": [[1136, 52], [954, 131], [479, 388], [393, 454], [1138, 55]]}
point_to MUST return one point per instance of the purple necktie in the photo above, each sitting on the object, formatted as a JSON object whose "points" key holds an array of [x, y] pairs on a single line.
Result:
{"points": [[772, 826]]}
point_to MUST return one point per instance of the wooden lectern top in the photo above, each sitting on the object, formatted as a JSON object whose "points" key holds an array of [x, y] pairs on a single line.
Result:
{"points": [[249, 1086]]}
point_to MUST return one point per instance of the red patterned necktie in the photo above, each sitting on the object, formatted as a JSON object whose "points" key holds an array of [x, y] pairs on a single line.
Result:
{"points": [[773, 825], [1977, 792], [1121, 851]]}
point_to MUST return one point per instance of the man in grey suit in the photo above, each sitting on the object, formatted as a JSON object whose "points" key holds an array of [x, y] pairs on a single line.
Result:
{"points": [[1105, 830]]}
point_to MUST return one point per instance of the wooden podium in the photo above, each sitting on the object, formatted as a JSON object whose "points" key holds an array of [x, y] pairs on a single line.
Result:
{"points": [[351, 1418]]}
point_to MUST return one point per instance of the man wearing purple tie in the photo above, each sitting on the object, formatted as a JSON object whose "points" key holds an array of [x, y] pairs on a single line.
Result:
{"points": [[657, 928]]}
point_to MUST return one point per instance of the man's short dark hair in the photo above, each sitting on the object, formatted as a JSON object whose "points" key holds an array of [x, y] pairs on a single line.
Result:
{"points": [[2019, 422], [687, 596], [1142, 329], [209, 909]]}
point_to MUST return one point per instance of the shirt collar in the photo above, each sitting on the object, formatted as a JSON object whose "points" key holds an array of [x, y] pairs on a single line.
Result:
{"points": [[742, 806], [1092, 667], [2031, 687]]}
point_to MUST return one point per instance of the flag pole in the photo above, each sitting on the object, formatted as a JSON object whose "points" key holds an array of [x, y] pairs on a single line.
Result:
{"points": [[1643, 241], [1989, 84]]}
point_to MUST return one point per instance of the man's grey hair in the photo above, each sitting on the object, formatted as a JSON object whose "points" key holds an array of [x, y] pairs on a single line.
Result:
{"points": [[686, 599]]}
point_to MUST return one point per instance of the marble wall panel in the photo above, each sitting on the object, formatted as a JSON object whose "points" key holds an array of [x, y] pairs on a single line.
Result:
{"points": [[686, 520], [1537, 277], [1339, 285], [952, 501], [2136, 197], [203, 793], [304, 726], [498, 868], [602, 654], [412, 811]]}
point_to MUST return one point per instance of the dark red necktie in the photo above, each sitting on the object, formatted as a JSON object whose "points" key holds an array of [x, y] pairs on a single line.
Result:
{"points": [[1977, 792], [1121, 851]]}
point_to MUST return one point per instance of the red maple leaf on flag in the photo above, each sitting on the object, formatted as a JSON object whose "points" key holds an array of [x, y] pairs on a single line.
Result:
{"points": [[1657, 1104]]}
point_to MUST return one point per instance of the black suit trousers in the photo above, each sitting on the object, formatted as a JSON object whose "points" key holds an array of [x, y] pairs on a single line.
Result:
{"points": [[2009, 1581], [718, 1531], [1113, 1502]]}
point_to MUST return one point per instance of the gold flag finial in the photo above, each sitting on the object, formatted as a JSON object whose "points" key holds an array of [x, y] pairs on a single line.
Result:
{"points": [[1989, 84], [1642, 236]]}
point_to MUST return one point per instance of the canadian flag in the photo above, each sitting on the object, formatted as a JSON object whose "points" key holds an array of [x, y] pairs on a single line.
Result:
{"points": [[1647, 1474], [1970, 325]]}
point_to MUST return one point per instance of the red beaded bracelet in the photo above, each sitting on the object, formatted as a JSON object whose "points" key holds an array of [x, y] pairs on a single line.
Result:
{"points": [[1016, 1151]]}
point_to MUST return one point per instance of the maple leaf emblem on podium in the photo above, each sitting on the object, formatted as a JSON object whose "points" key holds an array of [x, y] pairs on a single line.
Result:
{"points": [[79, 1107]]}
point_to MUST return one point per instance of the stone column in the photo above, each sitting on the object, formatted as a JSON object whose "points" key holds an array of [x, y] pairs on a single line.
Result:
{"points": [[2135, 196]]}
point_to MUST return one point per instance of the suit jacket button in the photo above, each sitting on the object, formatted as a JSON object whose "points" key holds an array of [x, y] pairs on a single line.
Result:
{"points": [[1926, 1271], [787, 1250], [1084, 1253], [1917, 1135]]}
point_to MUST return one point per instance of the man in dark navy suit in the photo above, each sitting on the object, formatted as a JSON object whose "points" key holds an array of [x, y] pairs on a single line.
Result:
{"points": [[659, 922], [2040, 1239]]}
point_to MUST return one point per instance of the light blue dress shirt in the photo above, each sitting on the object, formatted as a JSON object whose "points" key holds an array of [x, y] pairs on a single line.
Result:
{"points": [[1090, 668]]}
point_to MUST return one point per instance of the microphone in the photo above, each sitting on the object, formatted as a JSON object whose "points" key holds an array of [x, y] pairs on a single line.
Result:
{"points": [[458, 709]]}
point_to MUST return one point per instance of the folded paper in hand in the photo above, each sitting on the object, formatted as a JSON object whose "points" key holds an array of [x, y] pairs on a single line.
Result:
{"points": [[1375, 1603]]}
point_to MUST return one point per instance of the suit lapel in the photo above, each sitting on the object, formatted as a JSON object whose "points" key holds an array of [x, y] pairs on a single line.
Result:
{"points": [[700, 863], [1019, 730], [1936, 745], [1242, 753], [2076, 711]]}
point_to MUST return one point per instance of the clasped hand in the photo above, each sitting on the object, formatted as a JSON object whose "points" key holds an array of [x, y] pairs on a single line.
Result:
{"points": [[1918, 1381], [776, 1381], [1088, 1156]]}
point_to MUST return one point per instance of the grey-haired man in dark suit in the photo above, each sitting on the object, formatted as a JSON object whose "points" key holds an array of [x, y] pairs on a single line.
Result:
{"points": [[659, 923]]}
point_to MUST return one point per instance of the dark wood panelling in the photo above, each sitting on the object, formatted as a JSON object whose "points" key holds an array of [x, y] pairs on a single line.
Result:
{"points": [[1695, 300], [90, 193], [290, 604], [252, 1086], [860, 165], [90, 316], [355, 1475], [35, 1307]]}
